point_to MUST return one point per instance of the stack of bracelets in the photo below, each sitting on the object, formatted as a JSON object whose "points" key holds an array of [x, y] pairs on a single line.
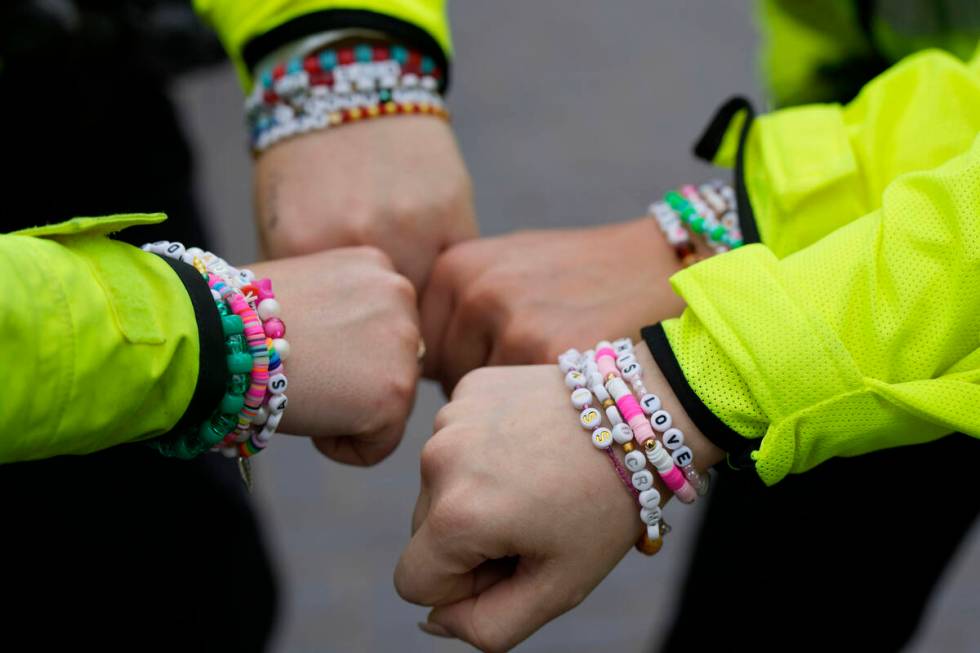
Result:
{"points": [[254, 400], [610, 377], [337, 86], [707, 211]]}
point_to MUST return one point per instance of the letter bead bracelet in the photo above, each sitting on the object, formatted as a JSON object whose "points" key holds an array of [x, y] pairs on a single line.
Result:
{"points": [[707, 212], [609, 377], [255, 347]]}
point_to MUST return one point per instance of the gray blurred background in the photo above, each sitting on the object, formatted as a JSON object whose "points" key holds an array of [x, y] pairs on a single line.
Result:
{"points": [[568, 113]]}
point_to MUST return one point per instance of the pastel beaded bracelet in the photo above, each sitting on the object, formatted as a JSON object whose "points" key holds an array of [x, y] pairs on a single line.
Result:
{"points": [[707, 212]]}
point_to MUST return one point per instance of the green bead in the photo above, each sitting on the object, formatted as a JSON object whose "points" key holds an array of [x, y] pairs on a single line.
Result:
{"points": [[232, 325], [717, 233], [235, 345], [231, 403], [238, 384], [209, 435], [688, 214], [697, 225], [223, 309], [675, 200], [239, 363]]}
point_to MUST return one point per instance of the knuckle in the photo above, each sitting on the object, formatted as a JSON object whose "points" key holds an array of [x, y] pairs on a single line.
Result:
{"points": [[436, 455], [373, 257], [453, 514]]}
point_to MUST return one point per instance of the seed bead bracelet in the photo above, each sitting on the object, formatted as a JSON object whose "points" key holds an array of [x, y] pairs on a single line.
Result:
{"points": [[577, 378]]}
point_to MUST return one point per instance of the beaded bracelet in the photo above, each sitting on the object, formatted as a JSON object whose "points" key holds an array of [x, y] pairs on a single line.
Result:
{"points": [[335, 87], [257, 380], [707, 211]]}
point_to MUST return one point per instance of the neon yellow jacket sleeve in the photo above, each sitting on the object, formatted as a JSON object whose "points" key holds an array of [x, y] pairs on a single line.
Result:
{"points": [[239, 21], [811, 169], [100, 340], [856, 325]]}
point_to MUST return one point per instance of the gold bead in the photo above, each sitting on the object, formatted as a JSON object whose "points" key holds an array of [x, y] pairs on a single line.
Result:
{"points": [[649, 547], [611, 376], [628, 447], [650, 445], [608, 403]]}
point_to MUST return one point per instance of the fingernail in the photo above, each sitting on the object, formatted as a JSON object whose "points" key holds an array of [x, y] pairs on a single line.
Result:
{"points": [[435, 630]]}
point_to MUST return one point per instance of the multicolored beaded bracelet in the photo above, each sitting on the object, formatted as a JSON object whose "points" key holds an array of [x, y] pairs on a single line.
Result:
{"points": [[338, 86], [707, 211]]}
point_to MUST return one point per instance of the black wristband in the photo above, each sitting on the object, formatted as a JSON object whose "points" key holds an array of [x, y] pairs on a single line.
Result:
{"points": [[212, 364], [720, 434], [334, 19]]}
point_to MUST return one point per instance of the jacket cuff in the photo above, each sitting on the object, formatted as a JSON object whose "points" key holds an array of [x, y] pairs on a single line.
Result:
{"points": [[738, 448], [337, 19], [710, 143], [212, 364]]}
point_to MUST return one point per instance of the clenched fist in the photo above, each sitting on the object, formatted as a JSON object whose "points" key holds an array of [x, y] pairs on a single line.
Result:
{"points": [[526, 297], [397, 183], [519, 517], [354, 336]]}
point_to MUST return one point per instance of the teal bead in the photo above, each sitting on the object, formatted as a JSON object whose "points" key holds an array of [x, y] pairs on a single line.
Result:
{"points": [[209, 435], [363, 53], [223, 309], [697, 225], [328, 60], [399, 54], [675, 200], [225, 424], [428, 65], [231, 404], [239, 363], [232, 325], [385, 95], [717, 233], [294, 66], [236, 345], [238, 384], [688, 214]]}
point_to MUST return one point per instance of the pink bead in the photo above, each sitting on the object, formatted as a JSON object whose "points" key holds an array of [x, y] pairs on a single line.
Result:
{"points": [[238, 304], [687, 493], [264, 288], [604, 352], [642, 431], [629, 407], [689, 191], [274, 328], [675, 480]]}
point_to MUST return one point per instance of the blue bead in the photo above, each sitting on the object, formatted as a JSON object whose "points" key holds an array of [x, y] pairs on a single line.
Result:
{"points": [[399, 54], [328, 60], [294, 66], [363, 53], [428, 65], [267, 79]]}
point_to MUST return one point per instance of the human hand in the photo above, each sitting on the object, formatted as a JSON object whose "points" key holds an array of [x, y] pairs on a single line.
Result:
{"points": [[526, 297], [353, 333], [519, 517], [397, 183]]}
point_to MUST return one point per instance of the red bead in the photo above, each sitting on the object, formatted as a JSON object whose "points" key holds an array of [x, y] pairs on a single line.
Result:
{"points": [[345, 56], [311, 65], [321, 79], [270, 98], [437, 73], [414, 59], [279, 71], [381, 54]]}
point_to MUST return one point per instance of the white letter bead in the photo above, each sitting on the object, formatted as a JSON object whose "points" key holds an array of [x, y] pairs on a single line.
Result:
{"points": [[277, 384], [673, 438], [245, 275], [575, 379], [623, 345], [632, 371], [622, 433], [683, 456], [650, 404], [613, 414], [617, 388], [174, 250], [277, 404], [581, 398], [262, 414], [660, 420], [625, 359], [282, 348], [635, 461], [599, 391], [268, 308], [590, 418], [650, 516], [653, 532], [602, 438], [643, 480], [650, 498]]}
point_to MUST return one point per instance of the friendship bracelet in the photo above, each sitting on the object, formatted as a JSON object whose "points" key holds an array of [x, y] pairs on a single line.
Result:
{"points": [[707, 211], [252, 408], [335, 87]]}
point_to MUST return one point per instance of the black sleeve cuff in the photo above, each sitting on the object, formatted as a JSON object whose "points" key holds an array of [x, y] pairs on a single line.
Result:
{"points": [[739, 449], [707, 146], [212, 363], [398, 30]]}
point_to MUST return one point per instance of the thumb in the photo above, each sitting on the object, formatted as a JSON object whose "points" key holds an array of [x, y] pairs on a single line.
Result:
{"points": [[508, 612]]}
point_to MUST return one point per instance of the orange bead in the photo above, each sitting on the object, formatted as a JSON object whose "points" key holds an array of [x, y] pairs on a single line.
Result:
{"points": [[649, 547]]}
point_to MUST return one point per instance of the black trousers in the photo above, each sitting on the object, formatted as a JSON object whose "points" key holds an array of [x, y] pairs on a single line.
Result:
{"points": [[844, 557]]}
